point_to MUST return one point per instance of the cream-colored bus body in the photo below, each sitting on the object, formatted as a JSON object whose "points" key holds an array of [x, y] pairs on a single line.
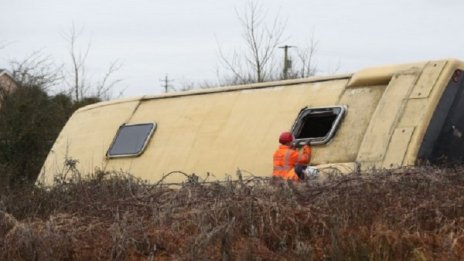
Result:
{"points": [[394, 116]]}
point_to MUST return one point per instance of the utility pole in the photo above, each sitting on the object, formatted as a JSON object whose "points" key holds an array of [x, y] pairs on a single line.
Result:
{"points": [[287, 61], [166, 84]]}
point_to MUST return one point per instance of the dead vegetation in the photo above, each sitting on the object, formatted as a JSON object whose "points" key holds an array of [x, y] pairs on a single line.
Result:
{"points": [[412, 214]]}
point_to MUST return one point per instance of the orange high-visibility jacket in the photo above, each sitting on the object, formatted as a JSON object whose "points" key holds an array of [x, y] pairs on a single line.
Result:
{"points": [[285, 159]]}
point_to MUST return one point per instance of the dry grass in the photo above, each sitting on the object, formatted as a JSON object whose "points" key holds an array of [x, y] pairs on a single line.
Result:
{"points": [[412, 214]]}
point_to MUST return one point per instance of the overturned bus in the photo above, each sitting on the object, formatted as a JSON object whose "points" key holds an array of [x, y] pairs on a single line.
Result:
{"points": [[384, 117]]}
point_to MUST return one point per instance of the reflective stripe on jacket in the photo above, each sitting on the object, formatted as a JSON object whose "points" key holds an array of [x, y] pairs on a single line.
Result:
{"points": [[285, 159]]}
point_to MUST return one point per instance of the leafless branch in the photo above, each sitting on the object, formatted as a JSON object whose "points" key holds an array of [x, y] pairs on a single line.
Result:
{"points": [[36, 69], [253, 64], [306, 59], [78, 60], [78, 81], [106, 84]]}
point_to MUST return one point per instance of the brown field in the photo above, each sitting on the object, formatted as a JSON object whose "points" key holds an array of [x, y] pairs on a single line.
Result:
{"points": [[408, 214]]}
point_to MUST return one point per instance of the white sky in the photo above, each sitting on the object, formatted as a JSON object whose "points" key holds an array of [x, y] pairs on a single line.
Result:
{"points": [[180, 38]]}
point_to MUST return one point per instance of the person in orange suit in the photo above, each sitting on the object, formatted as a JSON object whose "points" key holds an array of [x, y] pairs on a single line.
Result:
{"points": [[286, 158]]}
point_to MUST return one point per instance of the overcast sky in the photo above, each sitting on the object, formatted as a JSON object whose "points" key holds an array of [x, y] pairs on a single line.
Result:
{"points": [[180, 38]]}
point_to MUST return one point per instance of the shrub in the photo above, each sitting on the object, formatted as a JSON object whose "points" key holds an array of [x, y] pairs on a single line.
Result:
{"points": [[30, 121], [414, 214]]}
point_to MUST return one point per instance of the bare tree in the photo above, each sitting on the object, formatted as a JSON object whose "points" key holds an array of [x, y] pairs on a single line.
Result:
{"points": [[104, 87], [305, 60], [187, 85], [36, 69], [254, 63], [257, 61], [78, 58], [77, 79]]}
